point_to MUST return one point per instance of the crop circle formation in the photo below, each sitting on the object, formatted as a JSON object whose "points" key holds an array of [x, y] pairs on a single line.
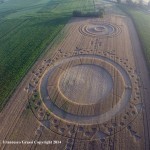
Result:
{"points": [[101, 29], [75, 102], [69, 83], [86, 94]]}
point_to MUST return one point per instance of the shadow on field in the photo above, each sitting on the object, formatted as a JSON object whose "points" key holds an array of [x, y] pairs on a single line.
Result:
{"points": [[52, 21]]}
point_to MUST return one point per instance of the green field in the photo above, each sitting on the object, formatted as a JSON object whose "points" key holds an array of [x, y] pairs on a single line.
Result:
{"points": [[142, 23], [26, 29]]}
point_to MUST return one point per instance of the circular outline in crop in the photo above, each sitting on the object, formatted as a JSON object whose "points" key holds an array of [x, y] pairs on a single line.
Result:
{"points": [[84, 29], [60, 99], [87, 120]]}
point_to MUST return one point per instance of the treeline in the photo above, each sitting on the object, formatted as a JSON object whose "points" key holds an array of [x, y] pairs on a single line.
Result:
{"points": [[77, 13]]}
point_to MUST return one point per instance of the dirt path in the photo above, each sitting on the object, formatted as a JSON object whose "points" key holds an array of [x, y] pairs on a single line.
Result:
{"points": [[143, 73]]}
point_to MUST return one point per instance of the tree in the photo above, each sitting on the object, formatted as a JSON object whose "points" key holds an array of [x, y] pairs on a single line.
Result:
{"points": [[77, 13], [101, 12]]}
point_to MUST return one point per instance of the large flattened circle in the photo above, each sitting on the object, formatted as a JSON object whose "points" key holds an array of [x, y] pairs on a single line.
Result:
{"points": [[85, 84], [76, 117], [102, 105]]}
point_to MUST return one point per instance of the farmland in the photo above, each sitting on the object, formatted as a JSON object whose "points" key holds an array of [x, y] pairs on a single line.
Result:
{"points": [[26, 29], [87, 91]]}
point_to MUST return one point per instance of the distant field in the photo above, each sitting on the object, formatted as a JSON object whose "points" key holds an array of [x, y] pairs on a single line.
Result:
{"points": [[26, 29], [144, 1], [142, 22]]}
